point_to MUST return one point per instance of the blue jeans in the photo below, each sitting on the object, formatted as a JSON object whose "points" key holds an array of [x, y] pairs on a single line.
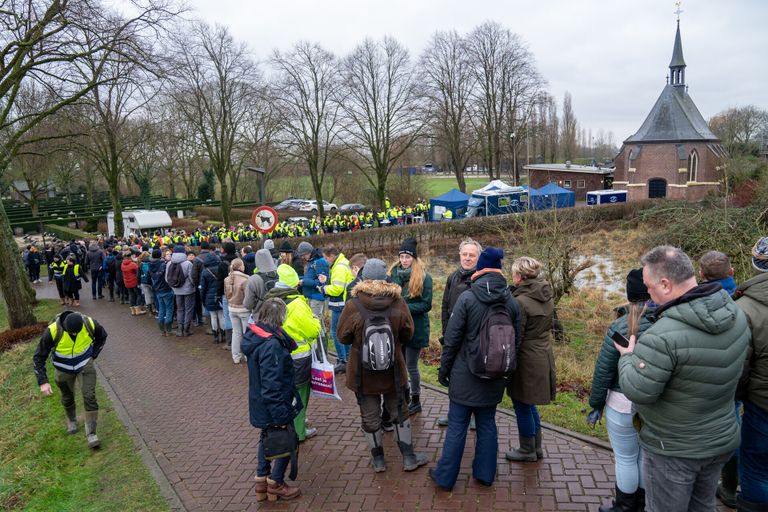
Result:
{"points": [[342, 351], [164, 307], [274, 469], [626, 450], [753, 454], [227, 319], [486, 445], [527, 415]]}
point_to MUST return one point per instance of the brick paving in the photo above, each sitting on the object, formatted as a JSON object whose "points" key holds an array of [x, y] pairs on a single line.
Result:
{"points": [[189, 404]]}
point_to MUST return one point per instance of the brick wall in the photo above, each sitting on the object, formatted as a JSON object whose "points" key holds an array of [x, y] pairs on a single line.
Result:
{"points": [[537, 178], [661, 161]]}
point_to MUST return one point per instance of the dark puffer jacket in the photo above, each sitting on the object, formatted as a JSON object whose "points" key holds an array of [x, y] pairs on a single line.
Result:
{"points": [[157, 276], [463, 328], [375, 296], [534, 380], [209, 282], [458, 282], [606, 374], [753, 300], [683, 373], [272, 396], [418, 306]]}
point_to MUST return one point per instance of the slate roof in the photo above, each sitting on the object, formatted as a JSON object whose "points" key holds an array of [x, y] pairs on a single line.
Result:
{"points": [[674, 117]]}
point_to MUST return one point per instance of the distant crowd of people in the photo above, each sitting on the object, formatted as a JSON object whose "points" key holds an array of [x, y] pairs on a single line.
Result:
{"points": [[682, 376]]}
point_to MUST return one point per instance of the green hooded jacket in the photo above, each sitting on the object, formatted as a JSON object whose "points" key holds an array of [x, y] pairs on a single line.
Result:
{"points": [[752, 298], [683, 374]]}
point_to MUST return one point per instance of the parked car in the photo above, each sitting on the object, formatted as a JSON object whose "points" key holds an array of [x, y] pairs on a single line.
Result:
{"points": [[353, 207], [311, 206], [290, 204]]}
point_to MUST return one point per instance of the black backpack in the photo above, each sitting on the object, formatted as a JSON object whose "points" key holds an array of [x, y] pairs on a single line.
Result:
{"points": [[176, 277], [157, 277], [270, 279], [494, 356], [378, 350]]}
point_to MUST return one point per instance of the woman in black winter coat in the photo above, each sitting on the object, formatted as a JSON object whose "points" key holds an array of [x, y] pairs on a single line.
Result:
{"points": [[272, 398]]}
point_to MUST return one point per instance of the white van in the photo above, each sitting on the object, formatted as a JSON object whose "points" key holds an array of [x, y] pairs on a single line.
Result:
{"points": [[140, 222]]}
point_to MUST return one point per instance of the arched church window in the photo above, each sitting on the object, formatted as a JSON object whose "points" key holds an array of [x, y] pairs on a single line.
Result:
{"points": [[693, 166]]}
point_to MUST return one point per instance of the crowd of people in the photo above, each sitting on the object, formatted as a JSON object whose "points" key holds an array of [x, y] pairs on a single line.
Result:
{"points": [[682, 376]]}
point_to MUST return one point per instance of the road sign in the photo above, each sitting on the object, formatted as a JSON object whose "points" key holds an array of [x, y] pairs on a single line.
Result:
{"points": [[264, 218]]}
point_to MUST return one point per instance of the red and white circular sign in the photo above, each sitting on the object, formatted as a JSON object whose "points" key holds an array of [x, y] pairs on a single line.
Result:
{"points": [[264, 218]]}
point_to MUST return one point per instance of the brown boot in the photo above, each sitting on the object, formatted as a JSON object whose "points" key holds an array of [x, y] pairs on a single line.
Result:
{"points": [[261, 488], [77, 303], [281, 491]]}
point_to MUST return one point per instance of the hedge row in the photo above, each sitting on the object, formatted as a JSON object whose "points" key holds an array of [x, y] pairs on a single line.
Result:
{"points": [[65, 232]]}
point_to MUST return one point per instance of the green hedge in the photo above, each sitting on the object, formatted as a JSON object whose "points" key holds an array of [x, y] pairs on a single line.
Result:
{"points": [[66, 233]]}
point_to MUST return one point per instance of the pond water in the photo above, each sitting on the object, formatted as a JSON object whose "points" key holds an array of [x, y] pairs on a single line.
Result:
{"points": [[602, 275]]}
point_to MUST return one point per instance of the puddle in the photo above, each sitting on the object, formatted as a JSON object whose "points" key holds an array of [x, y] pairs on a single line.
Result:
{"points": [[602, 275]]}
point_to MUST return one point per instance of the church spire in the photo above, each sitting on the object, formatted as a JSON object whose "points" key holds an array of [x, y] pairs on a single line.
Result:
{"points": [[677, 64]]}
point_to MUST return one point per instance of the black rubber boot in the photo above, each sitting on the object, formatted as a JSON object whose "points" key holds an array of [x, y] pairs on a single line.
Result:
{"points": [[539, 449], [415, 406], [526, 452], [377, 451], [623, 503], [729, 481], [71, 419], [411, 459], [91, 418]]}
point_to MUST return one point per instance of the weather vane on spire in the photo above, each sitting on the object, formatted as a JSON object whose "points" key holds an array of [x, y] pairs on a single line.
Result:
{"points": [[678, 11]]}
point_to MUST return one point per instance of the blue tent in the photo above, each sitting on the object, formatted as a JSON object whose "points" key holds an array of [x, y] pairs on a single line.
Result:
{"points": [[552, 196], [454, 200]]}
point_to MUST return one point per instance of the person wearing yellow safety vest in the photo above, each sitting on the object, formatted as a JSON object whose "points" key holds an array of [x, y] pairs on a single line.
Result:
{"points": [[56, 273], [301, 325], [336, 291], [76, 341], [447, 215], [70, 281]]}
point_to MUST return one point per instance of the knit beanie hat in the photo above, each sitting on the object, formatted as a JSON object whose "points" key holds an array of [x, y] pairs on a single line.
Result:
{"points": [[205, 245], [636, 289], [374, 270], [760, 255], [286, 247], [490, 258], [288, 275], [304, 249], [264, 261], [157, 253], [409, 247], [176, 248], [229, 248], [269, 244], [73, 323]]}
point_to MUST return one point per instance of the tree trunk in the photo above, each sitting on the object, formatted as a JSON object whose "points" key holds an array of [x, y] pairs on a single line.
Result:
{"points": [[381, 192], [14, 283], [114, 196], [225, 204], [90, 192]]}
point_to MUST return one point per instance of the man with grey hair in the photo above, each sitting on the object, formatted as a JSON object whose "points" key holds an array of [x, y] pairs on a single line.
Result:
{"points": [[681, 377], [455, 285]]}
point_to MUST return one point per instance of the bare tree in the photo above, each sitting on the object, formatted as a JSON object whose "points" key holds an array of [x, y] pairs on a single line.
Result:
{"points": [[307, 78], [263, 131], [42, 45], [381, 105], [448, 89], [569, 128], [216, 82], [738, 128]]}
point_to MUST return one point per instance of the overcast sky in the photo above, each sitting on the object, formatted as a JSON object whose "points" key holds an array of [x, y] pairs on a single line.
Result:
{"points": [[612, 55]]}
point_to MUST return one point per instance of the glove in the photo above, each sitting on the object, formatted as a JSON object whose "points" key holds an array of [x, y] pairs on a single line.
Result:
{"points": [[594, 417], [441, 339], [443, 377]]}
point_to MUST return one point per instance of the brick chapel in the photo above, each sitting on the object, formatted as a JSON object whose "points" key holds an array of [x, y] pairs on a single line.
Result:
{"points": [[673, 154]]}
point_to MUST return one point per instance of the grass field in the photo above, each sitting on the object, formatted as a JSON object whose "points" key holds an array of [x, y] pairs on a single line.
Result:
{"points": [[44, 469]]}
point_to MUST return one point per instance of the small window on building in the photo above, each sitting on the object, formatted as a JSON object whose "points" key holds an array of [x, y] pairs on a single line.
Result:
{"points": [[693, 166], [567, 184], [581, 183]]}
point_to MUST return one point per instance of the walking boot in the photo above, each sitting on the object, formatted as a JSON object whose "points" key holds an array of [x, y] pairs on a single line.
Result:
{"points": [[729, 481], [261, 488], [377, 451], [216, 337], [281, 491], [228, 339], [623, 503], [77, 304], [539, 449], [180, 331], [71, 419], [526, 452], [133, 311], [188, 329], [90, 428], [140, 311], [161, 325], [415, 406], [169, 329], [411, 459]]}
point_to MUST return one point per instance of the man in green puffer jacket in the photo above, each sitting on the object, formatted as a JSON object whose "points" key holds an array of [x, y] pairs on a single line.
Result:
{"points": [[681, 378]]}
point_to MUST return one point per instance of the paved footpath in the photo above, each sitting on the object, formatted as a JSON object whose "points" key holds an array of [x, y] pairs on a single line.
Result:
{"points": [[188, 404]]}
